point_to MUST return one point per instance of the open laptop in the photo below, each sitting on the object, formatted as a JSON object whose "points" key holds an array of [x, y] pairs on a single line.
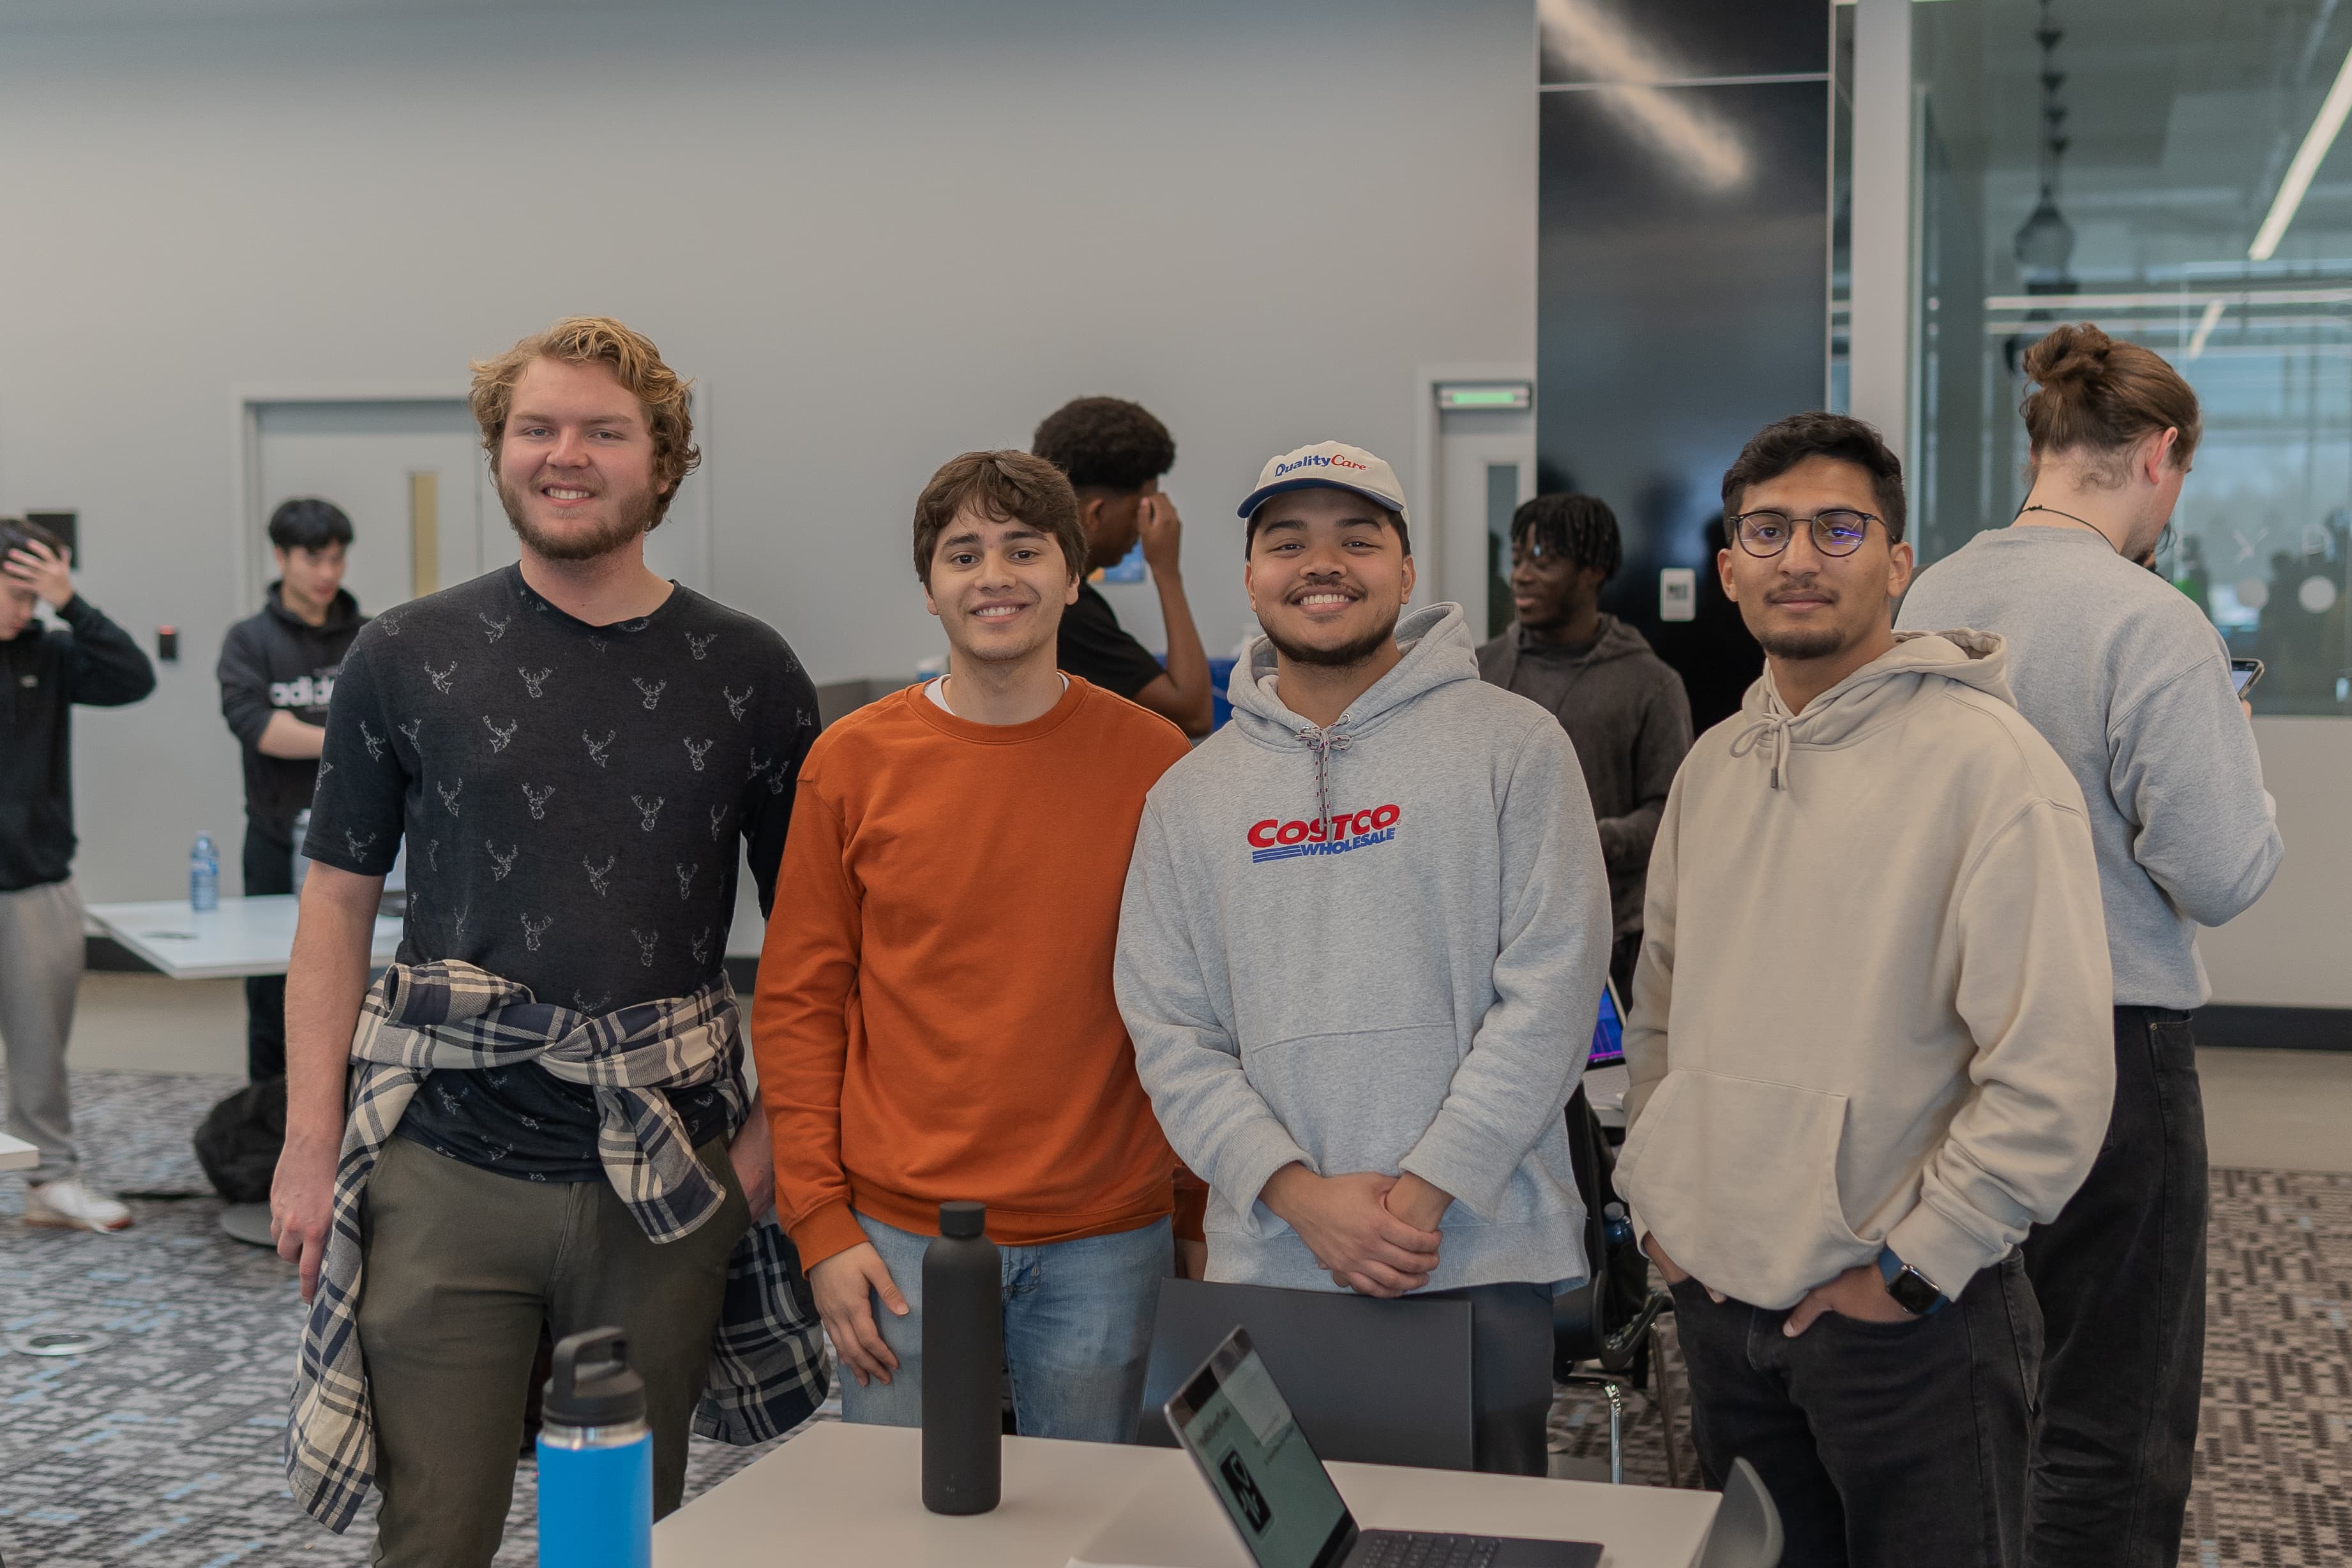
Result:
{"points": [[1607, 1029], [1238, 1428]]}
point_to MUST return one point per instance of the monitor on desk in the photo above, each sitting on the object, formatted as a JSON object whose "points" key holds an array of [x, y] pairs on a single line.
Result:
{"points": [[1609, 1030]]}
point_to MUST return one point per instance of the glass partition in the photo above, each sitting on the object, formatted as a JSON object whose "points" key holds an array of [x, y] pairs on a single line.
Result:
{"points": [[2170, 172]]}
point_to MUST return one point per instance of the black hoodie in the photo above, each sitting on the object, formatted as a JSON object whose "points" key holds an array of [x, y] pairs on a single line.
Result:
{"points": [[275, 661], [1626, 710], [43, 673]]}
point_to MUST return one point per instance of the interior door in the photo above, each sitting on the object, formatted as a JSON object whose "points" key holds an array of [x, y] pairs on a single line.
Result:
{"points": [[410, 475], [1487, 466]]}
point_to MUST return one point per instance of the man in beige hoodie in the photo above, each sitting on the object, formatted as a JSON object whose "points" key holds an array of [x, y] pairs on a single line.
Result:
{"points": [[1869, 1039]]}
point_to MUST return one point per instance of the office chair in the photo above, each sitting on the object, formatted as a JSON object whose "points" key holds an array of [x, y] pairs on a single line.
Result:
{"points": [[1612, 1317], [1747, 1529], [1382, 1382]]}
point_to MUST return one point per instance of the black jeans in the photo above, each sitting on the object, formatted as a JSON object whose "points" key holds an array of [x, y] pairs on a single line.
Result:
{"points": [[2121, 1278], [1510, 1375], [268, 868], [1883, 1445]]}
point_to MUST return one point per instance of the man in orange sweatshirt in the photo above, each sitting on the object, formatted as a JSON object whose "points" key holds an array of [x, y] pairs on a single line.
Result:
{"points": [[913, 1047]]}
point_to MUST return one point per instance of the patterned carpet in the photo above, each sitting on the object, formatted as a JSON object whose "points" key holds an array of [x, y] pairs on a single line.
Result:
{"points": [[162, 1448]]}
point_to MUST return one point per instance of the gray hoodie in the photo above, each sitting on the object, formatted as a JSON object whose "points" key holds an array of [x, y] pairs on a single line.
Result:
{"points": [[1871, 1008], [1627, 712], [1397, 990]]}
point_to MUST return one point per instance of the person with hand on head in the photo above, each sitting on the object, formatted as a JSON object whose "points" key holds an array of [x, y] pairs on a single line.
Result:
{"points": [[43, 673], [935, 1020], [1867, 1044], [1115, 453], [1623, 706], [1359, 921], [2123, 674], [277, 677], [536, 1120]]}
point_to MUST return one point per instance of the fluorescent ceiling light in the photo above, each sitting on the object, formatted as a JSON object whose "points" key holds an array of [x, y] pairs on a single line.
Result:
{"points": [[2205, 325], [1627, 63], [2307, 157]]}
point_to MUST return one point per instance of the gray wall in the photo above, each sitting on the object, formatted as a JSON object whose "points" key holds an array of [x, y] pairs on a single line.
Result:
{"points": [[879, 234]]}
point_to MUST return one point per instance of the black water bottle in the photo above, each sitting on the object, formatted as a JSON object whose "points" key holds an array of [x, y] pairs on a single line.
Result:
{"points": [[963, 1364]]}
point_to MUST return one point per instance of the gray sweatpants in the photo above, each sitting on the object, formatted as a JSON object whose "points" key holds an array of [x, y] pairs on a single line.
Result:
{"points": [[40, 976]]}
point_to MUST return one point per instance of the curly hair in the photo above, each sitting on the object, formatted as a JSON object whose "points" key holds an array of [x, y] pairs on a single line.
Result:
{"points": [[1105, 443], [1013, 487], [2101, 397], [1783, 444], [636, 365], [1580, 527]]}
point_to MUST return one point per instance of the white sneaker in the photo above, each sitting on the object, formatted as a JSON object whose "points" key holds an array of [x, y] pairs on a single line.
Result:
{"points": [[69, 1204]]}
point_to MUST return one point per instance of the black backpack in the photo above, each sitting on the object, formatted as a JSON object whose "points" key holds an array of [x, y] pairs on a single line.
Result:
{"points": [[238, 1142]]}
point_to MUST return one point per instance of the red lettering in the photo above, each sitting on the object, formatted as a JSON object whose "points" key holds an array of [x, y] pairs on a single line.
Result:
{"points": [[1386, 817], [1262, 835], [1291, 833]]}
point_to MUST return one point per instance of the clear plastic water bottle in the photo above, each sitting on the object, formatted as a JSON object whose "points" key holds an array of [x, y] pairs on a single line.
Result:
{"points": [[204, 875], [595, 1458]]}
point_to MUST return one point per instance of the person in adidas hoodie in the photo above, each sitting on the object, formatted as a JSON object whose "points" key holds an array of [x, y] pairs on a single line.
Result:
{"points": [[1359, 926], [1870, 1040]]}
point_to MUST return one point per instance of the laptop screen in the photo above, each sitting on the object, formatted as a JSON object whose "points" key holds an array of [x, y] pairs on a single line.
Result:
{"points": [[1239, 1429], [1609, 1031]]}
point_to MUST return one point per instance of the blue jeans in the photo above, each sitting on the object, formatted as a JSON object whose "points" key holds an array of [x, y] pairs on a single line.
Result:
{"points": [[1077, 1333]]}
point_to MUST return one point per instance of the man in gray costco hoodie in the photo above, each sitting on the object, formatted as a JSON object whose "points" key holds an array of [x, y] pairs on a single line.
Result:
{"points": [[1869, 1044], [1357, 922]]}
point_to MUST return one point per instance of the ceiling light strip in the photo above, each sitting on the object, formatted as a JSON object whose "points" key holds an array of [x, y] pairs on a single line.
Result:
{"points": [[2211, 318], [2307, 158]]}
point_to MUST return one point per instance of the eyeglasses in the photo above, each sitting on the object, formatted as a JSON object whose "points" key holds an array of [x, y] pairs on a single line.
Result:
{"points": [[1837, 532]]}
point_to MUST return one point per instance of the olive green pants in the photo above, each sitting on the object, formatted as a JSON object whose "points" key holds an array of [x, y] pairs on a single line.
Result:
{"points": [[462, 1267]]}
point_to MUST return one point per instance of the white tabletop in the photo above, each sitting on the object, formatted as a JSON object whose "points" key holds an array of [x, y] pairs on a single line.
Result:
{"points": [[244, 936], [841, 1493], [15, 1154]]}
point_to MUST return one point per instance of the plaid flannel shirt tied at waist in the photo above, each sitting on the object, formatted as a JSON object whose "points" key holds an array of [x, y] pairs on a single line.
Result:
{"points": [[766, 1371]]}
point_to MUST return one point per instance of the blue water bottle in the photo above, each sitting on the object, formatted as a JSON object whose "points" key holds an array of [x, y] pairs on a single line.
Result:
{"points": [[595, 1458], [1616, 1229], [204, 875]]}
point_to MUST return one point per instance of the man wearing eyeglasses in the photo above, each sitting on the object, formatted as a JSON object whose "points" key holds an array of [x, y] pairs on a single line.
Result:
{"points": [[1868, 1038]]}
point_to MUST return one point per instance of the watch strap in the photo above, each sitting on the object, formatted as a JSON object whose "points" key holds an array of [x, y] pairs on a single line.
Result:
{"points": [[1913, 1291]]}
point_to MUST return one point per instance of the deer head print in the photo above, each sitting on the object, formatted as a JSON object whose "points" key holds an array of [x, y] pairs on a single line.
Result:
{"points": [[650, 690], [497, 624], [735, 704], [701, 646], [700, 947], [686, 882], [501, 736], [534, 930], [538, 799], [357, 844], [648, 810], [646, 941], [696, 751], [441, 677], [718, 822], [531, 683], [412, 729], [598, 876], [505, 863], [449, 793], [375, 742], [596, 748]]}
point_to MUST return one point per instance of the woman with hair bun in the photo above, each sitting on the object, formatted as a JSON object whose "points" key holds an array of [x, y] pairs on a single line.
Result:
{"points": [[2131, 684]]}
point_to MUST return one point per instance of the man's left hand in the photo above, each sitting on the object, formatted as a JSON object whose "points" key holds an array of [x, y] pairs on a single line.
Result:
{"points": [[753, 1156], [35, 565], [1859, 1292], [1419, 1203]]}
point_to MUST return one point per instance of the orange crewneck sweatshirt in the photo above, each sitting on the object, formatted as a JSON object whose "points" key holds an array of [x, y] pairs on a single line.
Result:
{"points": [[934, 1017]]}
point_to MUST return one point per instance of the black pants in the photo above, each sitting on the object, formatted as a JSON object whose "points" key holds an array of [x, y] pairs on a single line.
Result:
{"points": [[2121, 1278], [1884, 1444], [1624, 953], [1510, 1375], [268, 868]]}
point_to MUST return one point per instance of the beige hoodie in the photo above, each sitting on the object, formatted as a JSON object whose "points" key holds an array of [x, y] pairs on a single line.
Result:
{"points": [[1873, 1005]]}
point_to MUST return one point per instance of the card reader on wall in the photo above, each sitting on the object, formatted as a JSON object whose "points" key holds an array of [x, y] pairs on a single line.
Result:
{"points": [[1678, 594]]}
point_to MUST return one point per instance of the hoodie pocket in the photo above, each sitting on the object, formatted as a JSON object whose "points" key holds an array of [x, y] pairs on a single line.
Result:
{"points": [[1356, 1100], [1737, 1178]]}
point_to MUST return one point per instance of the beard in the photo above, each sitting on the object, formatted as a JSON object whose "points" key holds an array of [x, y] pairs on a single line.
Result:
{"points": [[602, 539], [1340, 658], [1817, 643]]}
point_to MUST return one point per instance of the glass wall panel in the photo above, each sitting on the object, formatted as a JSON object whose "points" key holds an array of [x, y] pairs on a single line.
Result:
{"points": [[2152, 167]]}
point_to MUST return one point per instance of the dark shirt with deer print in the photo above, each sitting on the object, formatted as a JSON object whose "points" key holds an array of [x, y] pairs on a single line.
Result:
{"points": [[571, 797]]}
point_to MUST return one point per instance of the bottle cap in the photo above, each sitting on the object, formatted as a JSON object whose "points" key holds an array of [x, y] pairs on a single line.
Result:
{"points": [[964, 1221], [592, 1385]]}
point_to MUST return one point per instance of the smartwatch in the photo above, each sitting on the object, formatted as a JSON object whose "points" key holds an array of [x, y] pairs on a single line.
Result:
{"points": [[1913, 1291]]}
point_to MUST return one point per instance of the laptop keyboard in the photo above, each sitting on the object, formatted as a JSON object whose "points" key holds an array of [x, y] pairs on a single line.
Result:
{"points": [[1409, 1549]]}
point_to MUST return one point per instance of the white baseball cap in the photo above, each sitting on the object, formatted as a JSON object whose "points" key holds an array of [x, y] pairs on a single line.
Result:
{"points": [[1328, 465]]}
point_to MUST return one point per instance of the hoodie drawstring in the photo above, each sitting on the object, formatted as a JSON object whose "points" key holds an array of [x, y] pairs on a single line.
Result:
{"points": [[1323, 742], [1777, 726]]}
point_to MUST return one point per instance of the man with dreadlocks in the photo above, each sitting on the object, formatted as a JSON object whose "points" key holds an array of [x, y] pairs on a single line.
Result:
{"points": [[1623, 705]]}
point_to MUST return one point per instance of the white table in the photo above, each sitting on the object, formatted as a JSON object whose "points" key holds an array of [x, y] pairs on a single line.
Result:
{"points": [[15, 1154], [244, 936], [839, 1493]]}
